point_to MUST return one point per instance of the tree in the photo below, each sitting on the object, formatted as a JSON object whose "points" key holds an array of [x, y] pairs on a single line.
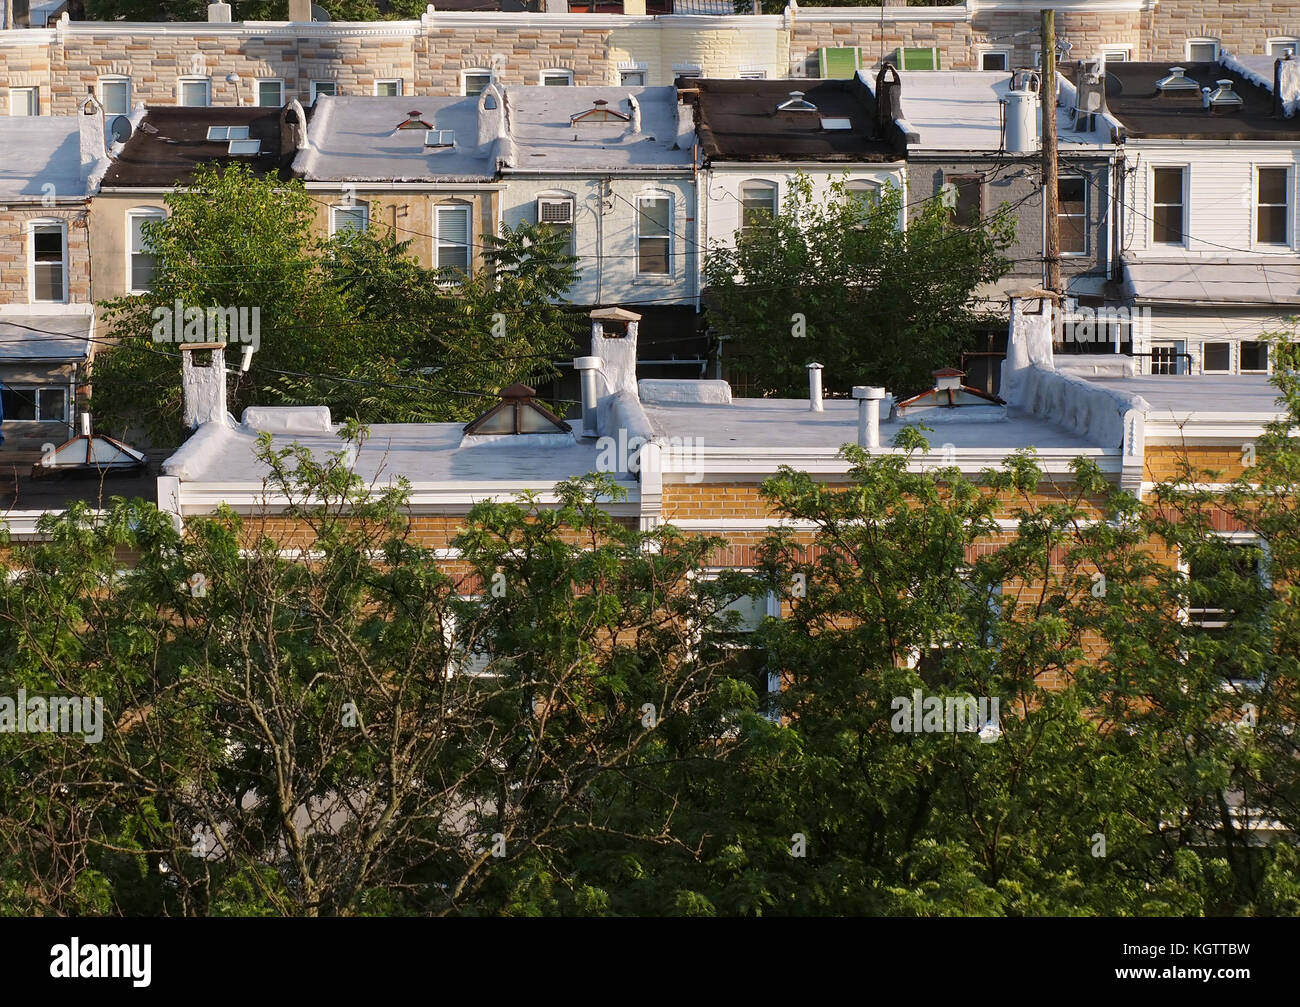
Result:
{"points": [[352, 322], [839, 283]]}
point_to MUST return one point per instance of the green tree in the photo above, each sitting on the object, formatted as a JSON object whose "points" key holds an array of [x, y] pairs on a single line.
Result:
{"points": [[836, 281]]}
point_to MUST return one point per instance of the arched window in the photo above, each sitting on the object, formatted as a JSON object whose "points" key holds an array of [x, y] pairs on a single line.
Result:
{"points": [[451, 249], [758, 204]]}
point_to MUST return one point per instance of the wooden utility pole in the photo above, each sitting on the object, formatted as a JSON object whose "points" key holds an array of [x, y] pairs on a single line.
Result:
{"points": [[1047, 93]]}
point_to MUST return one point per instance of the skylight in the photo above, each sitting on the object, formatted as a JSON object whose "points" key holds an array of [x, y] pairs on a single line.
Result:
{"points": [[440, 138], [835, 125], [796, 103], [227, 132], [413, 121], [599, 112], [244, 147]]}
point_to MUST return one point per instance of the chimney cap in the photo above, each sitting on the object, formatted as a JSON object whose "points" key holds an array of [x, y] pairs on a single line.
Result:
{"points": [[948, 372], [871, 393], [614, 315], [815, 365], [518, 391], [190, 347]]}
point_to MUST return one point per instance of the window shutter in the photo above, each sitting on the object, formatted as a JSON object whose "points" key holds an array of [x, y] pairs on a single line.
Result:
{"points": [[841, 62], [920, 58], [453, 225]]}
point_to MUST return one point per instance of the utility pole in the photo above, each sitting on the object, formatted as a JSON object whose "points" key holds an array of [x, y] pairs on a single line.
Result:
{"points": [[1047, 94]]}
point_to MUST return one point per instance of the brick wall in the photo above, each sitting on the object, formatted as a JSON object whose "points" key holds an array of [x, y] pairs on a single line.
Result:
{"points": [[15, 254]]}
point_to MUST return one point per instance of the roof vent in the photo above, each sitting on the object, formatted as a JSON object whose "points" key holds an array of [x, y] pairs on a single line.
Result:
{"points": [[1225, 99], [599, 112], [440, 138], [796, 103], [1177, 82], [413, 121]]}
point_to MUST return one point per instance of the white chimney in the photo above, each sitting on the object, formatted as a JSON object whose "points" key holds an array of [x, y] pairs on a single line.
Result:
{"points": [[203, 385], [634, 124], [617, 348], [219, 13], [491, 114], [299, 127], [588, 369], [869, 398], [815, 388]]}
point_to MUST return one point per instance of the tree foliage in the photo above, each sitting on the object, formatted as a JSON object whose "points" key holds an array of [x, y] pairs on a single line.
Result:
{"points": [[838, 282]]}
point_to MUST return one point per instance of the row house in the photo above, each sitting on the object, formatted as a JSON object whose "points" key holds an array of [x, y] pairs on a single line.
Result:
{"points": [[457, 48], [48, 170]]}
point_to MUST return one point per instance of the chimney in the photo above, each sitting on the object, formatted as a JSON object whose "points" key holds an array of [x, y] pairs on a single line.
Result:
{"points": [[1205, 97], [491, 114], [300, 11], [947, 379], [634, 124], [203, 384], [869, 398], [589, 370], [1029, 341], [613, 341], [815, 388], [219, 13], [297, 118], [889, 98]]}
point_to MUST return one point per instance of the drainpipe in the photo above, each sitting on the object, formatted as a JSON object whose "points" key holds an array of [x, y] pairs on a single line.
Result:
{"points": [[815, 388], [869, 398]]}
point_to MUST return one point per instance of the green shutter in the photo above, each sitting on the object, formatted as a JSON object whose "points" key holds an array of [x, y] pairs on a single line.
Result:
{"points": [[918, 58], [838, 62]]}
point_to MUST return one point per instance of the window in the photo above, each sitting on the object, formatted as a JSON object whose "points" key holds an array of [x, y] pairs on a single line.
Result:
{"points": [[557, 78], [653, 241], [1169, 222], [995, 59], [474, 81], [1167, 356], [353, 217], [452, 243], [270, 93], [631, 78], [323, 87], [1254, 357], [194, 92], [1272, 205], [1072, 214], [1282, 47], [752, 74], [49, 256], [24, 101], [555, 213], [1202, 50], [757, 205], [115, 95], [964, 196], [688, 70], [864, 195], [1216, 357], [1115, 55], [40, 405], [1227, 587], [388, 88], [141, 264]]}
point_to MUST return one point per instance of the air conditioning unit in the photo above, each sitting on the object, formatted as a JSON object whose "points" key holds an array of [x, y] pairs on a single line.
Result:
{"points": [[555, 211]]}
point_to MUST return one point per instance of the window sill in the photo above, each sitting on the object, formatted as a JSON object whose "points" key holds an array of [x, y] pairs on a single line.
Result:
{"points": [[655, 280]]}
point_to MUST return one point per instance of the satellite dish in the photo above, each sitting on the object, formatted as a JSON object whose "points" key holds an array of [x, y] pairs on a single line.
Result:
{"points": [[120, 129], [319, 13]]}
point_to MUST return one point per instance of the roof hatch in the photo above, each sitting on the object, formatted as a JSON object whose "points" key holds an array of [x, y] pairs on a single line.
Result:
{"points": [[1177, 82], [796, 103], [599, 112], [518, 412], [413, 121]]}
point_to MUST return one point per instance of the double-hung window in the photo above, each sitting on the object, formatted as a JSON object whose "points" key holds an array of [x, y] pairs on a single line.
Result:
{"points": [[453, 238], [654, 235]]}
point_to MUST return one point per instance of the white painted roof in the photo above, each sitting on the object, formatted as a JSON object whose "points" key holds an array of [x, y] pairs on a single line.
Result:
{"points": [[961, 110], [1189, 395], [36, 151], [1260, 281], [354, 138], [544, 137]]}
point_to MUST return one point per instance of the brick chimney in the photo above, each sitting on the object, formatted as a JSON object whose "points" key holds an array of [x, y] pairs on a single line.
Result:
{"points": [[300, 11]]}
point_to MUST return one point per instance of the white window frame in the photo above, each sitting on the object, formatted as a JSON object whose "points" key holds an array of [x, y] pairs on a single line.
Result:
{"points": [[557, 195], [1202, 40], [257, 91], [350, 208], [767, 183], [387, 80], [32, 225], [32, 100], [1267, 246], [624, 82], [113, 78], [438, 209], [1232, 363], [1110, 52], [1185, 616], [132, 215], [194, 79], [314, 88], [691, 70], [645, 277], [35, 391], [555, 72], [1002, 51], [752, 73], [1282, 40], [1186, 169], [476, 71], [771, 610], [1268, 368], [1087, 242]]}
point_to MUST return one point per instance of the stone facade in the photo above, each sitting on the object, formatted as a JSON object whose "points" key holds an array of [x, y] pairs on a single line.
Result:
{"points": [[15, 253]]}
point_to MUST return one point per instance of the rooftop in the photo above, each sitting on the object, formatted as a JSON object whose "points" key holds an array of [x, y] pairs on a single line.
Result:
{"points": [[31, 338], [1191, 395], [739, 121], [37, 152], [1263, 281], [1133, 98], [356, 139], [962, 110], [170, 142], [546, 137]]}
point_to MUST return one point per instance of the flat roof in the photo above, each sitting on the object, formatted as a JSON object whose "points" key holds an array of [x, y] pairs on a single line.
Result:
{"points": [[962, 110], [544, 136], [1132, 97], [739, 121], [354, 138], [29, 338], [44, 150], [1189, 394], [1261, 281], [170, 142], [789, 423]]}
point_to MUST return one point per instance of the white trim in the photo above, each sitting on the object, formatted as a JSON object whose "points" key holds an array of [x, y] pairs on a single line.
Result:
{"points": [[147, 212], [468, 208], [1266, 247], [193, 79], [30, 231], [477, 71], [401, 89], [29, 89], [1186, 169], [361, 205], [655, 194], [1202, 40], [555, 71], [990, 50], [114, 78], [314, 88], [1287, 40], [257, 91]]}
